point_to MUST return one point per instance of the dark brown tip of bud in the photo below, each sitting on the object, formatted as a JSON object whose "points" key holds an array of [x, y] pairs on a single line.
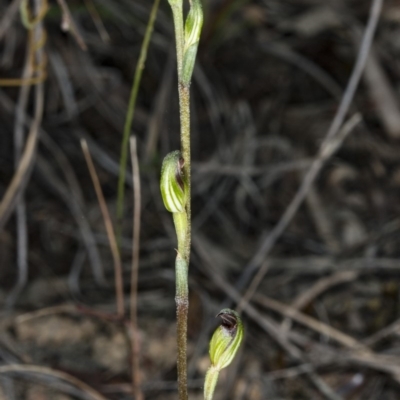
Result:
{"points": [[229, 320]]}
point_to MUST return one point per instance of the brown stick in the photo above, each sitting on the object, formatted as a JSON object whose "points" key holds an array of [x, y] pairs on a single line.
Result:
{"points": [[105, 37], [110, 230], [68, 24]]}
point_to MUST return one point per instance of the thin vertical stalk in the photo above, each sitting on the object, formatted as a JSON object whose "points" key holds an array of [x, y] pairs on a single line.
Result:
{"points": [[184, 110], [129, 116], [135, 271], [187, 37], [210, 383], [182, 307], [182, 299], [182, 290]]}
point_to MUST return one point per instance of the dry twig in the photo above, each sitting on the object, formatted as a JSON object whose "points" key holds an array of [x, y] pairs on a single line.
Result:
{"points": [[119, 286], [68, 24]]}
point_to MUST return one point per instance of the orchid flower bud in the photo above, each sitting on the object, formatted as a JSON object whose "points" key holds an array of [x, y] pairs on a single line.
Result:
{"points": [[226, 339], [223, 347], [173, 183]]}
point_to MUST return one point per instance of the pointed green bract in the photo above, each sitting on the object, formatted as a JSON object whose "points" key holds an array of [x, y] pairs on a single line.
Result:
{"points": [[193, 25], [173, 184]]}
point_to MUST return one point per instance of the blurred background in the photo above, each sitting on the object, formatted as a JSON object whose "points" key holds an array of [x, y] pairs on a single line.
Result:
{"points": [[322, 318]]}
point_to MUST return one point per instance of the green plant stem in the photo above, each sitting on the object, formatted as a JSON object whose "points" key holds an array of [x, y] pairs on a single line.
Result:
{"points": [[181, 223], [182, 307], [177, 14], [182, 302], [182, 296], [184, 110], [129, 116], [210, 382]]}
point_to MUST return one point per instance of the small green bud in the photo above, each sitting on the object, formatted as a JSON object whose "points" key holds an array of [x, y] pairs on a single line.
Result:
{"points": [[226, 339], [173, 183], [193, 25]]}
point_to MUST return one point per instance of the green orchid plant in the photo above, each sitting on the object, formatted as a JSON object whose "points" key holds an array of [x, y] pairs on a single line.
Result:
{"points": [[175, 185], [175, 174]]}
